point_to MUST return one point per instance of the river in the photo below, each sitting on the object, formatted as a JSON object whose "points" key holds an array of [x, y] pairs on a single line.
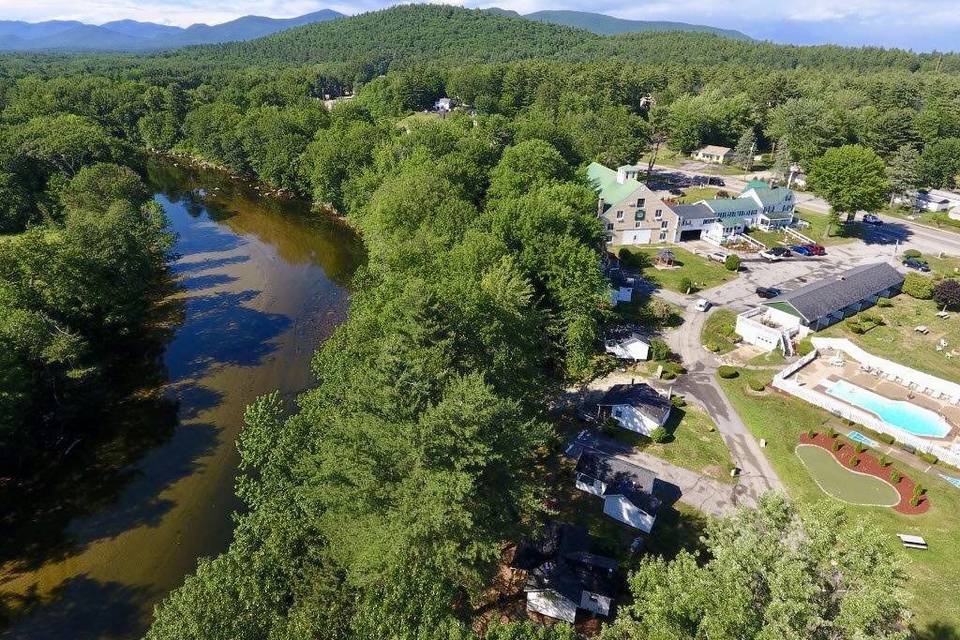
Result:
{"points": [[261, 283]]}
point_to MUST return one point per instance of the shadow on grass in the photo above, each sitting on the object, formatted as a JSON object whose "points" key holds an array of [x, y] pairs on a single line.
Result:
{"points": [[937, 631]]}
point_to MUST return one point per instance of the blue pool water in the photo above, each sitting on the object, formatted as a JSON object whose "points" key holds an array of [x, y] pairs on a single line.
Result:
{"points": [[954, 481], [859, 437], [897, 413]]}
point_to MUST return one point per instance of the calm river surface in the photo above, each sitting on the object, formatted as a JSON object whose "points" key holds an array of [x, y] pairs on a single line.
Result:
{"points": [[262, 284]]}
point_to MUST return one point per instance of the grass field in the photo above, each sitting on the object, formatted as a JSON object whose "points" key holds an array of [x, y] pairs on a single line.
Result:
{"points": [[702, 272], [934, 575], [718, 333], [694, 443], [896, 340], [842, 483], [696, 194], [818, 229]]}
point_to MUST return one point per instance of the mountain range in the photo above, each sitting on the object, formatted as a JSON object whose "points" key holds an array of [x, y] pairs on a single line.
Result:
{"points": [[131, 35]]}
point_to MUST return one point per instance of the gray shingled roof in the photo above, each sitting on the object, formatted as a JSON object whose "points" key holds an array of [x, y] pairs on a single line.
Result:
{"points": [[615, 471], [641, 397], [827, 296], [697, 211]]}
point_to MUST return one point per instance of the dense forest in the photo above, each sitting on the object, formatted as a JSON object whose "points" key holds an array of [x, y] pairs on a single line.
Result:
{"points": [[380, 508]]}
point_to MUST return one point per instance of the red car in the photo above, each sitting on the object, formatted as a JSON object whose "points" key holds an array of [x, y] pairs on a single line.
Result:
{"points": [[816, 249]]}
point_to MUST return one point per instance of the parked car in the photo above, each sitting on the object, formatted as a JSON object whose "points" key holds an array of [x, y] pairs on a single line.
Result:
{"points": [[768, 292], [719, 256], [816, 249], [916, 263], [676, 192], [717, 181], [872, 219], [801, 250], [702, 305], [783, 252], [771, 256]]}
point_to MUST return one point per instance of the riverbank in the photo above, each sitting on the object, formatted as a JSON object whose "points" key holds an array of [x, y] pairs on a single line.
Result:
{"points": [[263, 281]]}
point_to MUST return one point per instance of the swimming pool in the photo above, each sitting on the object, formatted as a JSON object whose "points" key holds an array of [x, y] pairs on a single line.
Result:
{"points": [[897, 413]]}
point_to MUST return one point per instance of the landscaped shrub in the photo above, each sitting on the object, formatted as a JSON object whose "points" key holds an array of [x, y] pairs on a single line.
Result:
{"points": [[911, 253], [811, 434], [756, 385], [659, 350], [884, 302], [860, 447], [804, 347], [711, 346], [885, 461], [914, 501], [929, 457], [947, 293], [678, 401], [686, 285], [919, 489], [895, 476], [732, 262], [836, 445], [831, 432], [854, 461], [918, 286], [659, 435], [727, 372], [886, 437]]}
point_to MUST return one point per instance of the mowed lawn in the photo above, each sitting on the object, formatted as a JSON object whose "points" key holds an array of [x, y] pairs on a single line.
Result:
{"points": [[703, 273], [898, 341], [718, 333], [817, 230], [694, 443], [934, 575], [696, 194]]}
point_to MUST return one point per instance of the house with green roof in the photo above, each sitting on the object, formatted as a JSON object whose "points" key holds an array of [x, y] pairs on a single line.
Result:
{"points": [[721, 219], [631, 212]]}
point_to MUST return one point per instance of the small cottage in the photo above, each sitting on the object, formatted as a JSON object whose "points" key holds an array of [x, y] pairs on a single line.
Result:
{"points": [[637, 407], [626, 488]]}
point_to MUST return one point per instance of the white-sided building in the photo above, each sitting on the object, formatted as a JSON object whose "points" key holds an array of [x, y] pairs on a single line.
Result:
{"points": [[713, 153], [632, 347], [637, 407], [626, 488], [721, 219]]}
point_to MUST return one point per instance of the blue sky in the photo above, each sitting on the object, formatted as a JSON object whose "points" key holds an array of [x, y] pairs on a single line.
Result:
{"points": [[916, 24]]}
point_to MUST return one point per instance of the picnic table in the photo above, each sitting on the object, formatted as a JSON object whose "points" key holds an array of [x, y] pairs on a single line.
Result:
{"points": [[912, 542], [922, 328]]}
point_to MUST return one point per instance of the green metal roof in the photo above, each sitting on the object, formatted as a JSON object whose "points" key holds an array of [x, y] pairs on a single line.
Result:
{"points": [[786, 307], [776, 196], [731, 205], [605, 183], [756, 184], [731, 222]]}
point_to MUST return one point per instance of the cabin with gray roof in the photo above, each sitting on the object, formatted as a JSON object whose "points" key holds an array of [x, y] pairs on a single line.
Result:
{"points": [[637, 407], [631, 212], [626, 488], [564, 575]]}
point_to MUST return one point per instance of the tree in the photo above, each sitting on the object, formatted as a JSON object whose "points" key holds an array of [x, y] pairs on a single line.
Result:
{"points": [[99, 185], [918, 286], [743, 152], [850, 178], [773, 572], [781, 160], [904, 171], [63, 142], [947, 293], [523, 165], [940, 163], [732, 262]]}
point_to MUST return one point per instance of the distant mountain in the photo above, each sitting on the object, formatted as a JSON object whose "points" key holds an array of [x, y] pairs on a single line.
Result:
{"points": [[608, 25], [131, 35]]}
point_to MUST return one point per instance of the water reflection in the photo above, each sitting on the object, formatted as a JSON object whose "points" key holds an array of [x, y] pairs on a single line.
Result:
{"points": [[260, 283]]}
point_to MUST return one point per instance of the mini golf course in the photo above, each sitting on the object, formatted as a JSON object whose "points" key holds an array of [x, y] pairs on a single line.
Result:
{"points": [[845, 484]]}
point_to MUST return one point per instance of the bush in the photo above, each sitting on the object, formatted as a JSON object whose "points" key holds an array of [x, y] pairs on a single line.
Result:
{"points": [[678, 401], [919, 489], [911, 253], [860, 447], [804, 347], [885, 461], [884, 302], [686, 285], [914, 501], [854, 461], [659, 350], [929, 457], [918, 286], [732, 263], [947, 293], [756, 385], [811, 434], [711, 346], [836, 445], [895, 476], [887, 438], [831, 432], [659, 435], [727, 372]]}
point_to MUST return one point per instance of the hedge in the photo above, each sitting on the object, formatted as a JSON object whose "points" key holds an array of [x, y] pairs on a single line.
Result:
{"points": [[756, 385], [929, 457], [887, 438], [727, 372]]}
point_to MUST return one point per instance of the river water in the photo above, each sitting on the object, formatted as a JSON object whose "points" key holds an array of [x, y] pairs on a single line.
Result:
{"points": [[262, 282]]}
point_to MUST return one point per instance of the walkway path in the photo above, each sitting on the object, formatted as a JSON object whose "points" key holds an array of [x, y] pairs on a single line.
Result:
{"points": [[699, 491]]}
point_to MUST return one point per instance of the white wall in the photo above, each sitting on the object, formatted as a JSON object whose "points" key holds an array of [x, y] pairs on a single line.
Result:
{"points": [[595, 602], [621, 509], [637, 236], [629, 418], [551, 603], [590, 485]]}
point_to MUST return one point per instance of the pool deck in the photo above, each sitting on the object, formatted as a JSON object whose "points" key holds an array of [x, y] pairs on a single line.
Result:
{"points": [[820, 373]]}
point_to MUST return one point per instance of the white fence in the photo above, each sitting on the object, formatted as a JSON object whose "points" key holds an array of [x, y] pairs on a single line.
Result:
{"points": [[840, 409]]}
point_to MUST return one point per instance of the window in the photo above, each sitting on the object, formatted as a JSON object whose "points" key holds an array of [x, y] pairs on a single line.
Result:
{"points": [[640, 203], [620, 215], [609, 226], [663, 225], [658, 214], [663, 235]]}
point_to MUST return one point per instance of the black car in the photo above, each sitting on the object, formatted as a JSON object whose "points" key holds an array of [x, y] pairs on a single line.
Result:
{"points": [[783, 252], [768, 292], [915, 263]]}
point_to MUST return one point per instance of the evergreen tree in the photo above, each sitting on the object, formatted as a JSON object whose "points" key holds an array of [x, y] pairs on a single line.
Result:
{"points": [[743, 152], [781, 160], [903, 171]]}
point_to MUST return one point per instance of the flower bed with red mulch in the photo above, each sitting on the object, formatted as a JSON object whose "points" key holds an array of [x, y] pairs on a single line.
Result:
{"points": [[870, 464]]}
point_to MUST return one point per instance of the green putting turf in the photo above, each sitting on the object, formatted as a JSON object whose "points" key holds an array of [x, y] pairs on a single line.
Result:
{"points": [[844, 484]]}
